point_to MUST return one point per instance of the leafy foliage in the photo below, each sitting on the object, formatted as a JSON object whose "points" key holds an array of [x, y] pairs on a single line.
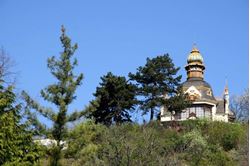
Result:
{"points": [[83, 143], [153, 144], [195, 145], [228, 136]]}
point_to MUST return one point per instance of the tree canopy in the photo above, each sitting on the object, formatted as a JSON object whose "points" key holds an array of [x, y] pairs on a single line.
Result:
{"points": [[115, 100], [158, 83]]}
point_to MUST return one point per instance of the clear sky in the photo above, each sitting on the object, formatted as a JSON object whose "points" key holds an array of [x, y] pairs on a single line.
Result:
{"points": [[118, 36]]}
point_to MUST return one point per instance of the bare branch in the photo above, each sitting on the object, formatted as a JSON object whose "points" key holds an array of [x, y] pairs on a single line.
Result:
{"points": [[240, 106], [7, 76]]}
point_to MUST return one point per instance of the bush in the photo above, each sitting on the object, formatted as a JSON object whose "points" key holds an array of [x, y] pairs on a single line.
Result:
{"points": [[227, 135], [84, 143]]}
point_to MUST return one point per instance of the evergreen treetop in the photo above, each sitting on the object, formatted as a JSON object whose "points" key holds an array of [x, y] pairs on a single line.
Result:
{"points": [[61, 94], [157, 81], [115, 100]]}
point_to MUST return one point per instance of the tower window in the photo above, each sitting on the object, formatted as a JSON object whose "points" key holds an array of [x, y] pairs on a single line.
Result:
{"points": [[209, 92]]}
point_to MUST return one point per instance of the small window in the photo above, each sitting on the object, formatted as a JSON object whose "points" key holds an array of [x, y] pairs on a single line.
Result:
{"points": [[209, 92]]}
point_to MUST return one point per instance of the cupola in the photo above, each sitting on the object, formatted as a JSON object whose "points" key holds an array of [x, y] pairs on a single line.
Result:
{"points": [[195, 56], [195, 67]]}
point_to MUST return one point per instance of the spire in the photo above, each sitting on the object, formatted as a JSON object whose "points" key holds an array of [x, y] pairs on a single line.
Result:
{"points": [[226, 87], [226, 98]]}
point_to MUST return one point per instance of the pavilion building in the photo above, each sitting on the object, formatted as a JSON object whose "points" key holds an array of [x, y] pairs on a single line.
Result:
{"points": [[204, 104]]}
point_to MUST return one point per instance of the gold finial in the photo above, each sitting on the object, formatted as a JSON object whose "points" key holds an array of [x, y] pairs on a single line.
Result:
{"points": [[195, 49]]}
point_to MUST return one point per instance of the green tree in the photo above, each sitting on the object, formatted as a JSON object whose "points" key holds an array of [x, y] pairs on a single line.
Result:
{"points": [[84, 143], [157, 85], [176, 103], [115, 99], [61, 94], [195, 146], [228, 136], [16, 143]]}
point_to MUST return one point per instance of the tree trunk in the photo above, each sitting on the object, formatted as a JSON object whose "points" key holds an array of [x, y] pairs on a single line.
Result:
{"points": [[151, 114]]}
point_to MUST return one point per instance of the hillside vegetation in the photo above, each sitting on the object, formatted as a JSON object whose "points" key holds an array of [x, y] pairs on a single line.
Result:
{"points": [[198, 142]]}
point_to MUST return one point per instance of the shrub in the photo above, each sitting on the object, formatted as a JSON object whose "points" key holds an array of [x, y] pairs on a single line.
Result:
{"points": [[84, 143], [227, 135], [200, 142]]}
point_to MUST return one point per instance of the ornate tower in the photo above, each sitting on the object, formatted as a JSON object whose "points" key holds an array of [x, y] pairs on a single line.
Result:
{"points": [[204, 104], [195, 67]]}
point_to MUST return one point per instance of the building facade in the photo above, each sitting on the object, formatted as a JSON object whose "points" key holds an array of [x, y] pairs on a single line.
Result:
{"points": [[204, 104]]}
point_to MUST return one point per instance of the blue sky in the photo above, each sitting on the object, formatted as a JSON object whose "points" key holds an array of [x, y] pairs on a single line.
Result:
{"points": [[118, 36]]}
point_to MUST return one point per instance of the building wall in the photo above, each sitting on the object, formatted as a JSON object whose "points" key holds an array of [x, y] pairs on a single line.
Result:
{"points": [[201, 110], [221, 117]]}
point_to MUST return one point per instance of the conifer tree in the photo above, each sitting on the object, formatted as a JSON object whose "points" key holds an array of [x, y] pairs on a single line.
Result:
{"points": [[61, 94], [16, 144], [115, 100], [157, 83]]}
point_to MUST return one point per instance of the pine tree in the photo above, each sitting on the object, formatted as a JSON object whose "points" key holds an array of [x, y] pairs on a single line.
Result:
{"points": [[115, 99], [156, 80], [16, 144], [61, 94]]}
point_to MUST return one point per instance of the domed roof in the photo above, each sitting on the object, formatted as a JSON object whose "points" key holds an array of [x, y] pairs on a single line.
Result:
{"points": [[195, 56], [202, 86]]}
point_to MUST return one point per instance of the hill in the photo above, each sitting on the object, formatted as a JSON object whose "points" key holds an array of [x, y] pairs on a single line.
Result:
{"points": [[194, 142]]}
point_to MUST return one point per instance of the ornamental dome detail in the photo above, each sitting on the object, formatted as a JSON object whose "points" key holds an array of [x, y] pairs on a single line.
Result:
{"points": [[195, 56]]}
